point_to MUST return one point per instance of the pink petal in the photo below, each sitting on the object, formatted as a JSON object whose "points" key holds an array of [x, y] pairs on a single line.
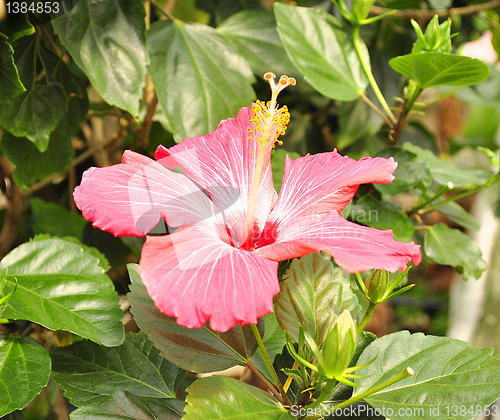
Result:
{"points": [[226, 157], [482, 49], [130, 198], [195, 276], [313, 186], [355, 248]]}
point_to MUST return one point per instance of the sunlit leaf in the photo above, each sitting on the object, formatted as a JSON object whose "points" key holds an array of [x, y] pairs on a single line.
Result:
{"points": [[219, 397], [321, 47], [107, 41], [254, 34], [447, 372], [63, 288], [313, 293], [435, 69], [199, 77]]}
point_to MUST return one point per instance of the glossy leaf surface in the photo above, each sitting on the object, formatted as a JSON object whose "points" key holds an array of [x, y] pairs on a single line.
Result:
{"points": [[107, 41], [219, 397], [63, 288], [199, 77], [447, 372], [256, 38], [322, 49], [313, 293]]}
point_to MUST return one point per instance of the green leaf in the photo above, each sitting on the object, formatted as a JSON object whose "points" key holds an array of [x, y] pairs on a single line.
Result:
{"points": [[256, 38], [10, 84], [199, 77], [219, 397], [278, 159], [197, 349], [313, 293], [274, 340], [50, 218], [436, 69], [24, 371], [90, 374], [447, 372], [16, 25], [124, 405], [36, 113], [103, 262], [456, 213], [365, 338], [322, 49], [409, 173], [107, 41], [448, 246], [369, 211], [33, 165], [445, 171], [63, 288]]}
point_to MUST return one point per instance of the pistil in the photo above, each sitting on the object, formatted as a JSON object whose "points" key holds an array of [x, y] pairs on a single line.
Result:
{"points": [[267, 124]]}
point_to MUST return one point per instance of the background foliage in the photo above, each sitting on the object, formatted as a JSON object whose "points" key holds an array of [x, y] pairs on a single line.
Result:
{"points": [[78, 89]]}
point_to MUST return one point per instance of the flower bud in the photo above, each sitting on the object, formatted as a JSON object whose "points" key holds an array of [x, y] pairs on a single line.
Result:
{"points": [[437, 36], [377, 287], [339, 346]]}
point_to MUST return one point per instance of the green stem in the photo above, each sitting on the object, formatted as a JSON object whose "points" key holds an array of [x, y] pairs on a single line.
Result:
{"points": [[403, 115], [443, 190], [369, 74], [416, 93], [374, 107], [403, 375], [269, 364], [327, 391], [492, 180], [368, 315]]}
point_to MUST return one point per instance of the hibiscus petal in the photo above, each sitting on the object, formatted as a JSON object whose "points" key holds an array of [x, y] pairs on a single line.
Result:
{"points": [[195, 276], [355, 248], [313, 186], [226, 157], [130, 198]]}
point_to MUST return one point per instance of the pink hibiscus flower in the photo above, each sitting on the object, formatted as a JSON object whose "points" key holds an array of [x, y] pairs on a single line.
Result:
{"points": [[482, 49], [221, 262]]}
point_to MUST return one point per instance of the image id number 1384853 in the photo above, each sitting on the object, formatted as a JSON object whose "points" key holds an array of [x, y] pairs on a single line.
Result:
{"points": [[33, 7]]}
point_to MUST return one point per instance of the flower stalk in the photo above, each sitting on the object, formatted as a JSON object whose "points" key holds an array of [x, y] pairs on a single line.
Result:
{"points": [[269, 364], [369, 75]]}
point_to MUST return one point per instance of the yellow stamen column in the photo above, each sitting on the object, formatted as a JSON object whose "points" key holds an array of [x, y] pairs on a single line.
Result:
{"points": [[269, 122]]}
